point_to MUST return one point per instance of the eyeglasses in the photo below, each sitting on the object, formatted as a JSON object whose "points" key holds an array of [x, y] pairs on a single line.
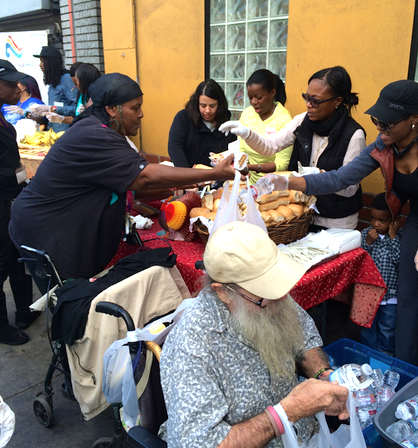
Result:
{"points": [[259, 303], [385, 126], [314, 102]]}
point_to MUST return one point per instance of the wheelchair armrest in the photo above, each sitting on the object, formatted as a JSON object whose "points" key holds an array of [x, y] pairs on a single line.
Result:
{"points": [[139, 437]]}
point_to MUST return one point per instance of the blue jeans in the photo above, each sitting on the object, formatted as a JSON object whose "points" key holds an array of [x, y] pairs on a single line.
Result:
{"points": [[381, 335]]}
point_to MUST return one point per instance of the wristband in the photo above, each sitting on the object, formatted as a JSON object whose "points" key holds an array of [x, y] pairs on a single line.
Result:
{"points": [[320, 373], [258, 168], [273, 423], [277, 420]]}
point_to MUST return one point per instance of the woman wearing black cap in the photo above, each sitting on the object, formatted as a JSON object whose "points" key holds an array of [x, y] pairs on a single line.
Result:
{"points": [[62, 95], [325, 136], [75, 210], [395, 152]]}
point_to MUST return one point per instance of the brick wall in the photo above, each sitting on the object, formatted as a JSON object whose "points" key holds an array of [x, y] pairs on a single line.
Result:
{"points": [[87, 31], [364, 213]]}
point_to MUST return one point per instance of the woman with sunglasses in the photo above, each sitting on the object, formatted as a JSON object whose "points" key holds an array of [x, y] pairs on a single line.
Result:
{"points": [[395, 152], [325, 136]]}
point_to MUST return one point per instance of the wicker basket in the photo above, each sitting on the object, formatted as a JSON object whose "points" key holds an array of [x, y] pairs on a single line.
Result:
{"points": [[202, 231], [291, 230], [31, 166]]}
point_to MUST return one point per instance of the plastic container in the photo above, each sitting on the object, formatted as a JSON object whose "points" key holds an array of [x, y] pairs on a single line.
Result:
{"points": [[386, 415], [346, 351]]}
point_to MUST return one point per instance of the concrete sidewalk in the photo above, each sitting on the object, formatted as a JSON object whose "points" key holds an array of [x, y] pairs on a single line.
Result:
{"points": [[22, 372]]}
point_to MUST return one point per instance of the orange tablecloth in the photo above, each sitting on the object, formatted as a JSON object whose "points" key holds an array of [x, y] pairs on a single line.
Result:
{"points": [[317, 285]]}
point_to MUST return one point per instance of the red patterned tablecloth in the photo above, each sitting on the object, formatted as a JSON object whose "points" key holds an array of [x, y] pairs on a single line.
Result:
{"points": [[321, 283]]}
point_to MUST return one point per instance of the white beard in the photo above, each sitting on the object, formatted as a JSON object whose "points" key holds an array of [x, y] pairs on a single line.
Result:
{"points": [[274, 331]]}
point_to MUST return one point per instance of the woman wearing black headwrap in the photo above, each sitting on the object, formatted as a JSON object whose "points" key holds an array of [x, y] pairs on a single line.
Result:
{"points": [[75, 205]]}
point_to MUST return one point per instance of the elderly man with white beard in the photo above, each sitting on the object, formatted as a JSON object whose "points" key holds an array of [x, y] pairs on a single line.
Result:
{"points": [[236, 352]]}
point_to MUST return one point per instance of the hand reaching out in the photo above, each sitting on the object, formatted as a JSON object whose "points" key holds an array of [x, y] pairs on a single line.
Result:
{"points": [[235, 127], [372, 236]]}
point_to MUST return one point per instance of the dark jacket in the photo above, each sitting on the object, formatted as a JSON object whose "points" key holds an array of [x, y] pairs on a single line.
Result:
{"points": [[376, 155], [9, 162], [188, 145], [329, 205]]}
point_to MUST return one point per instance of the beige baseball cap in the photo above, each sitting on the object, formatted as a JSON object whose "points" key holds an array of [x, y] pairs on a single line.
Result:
{"points": [[244, 254]]}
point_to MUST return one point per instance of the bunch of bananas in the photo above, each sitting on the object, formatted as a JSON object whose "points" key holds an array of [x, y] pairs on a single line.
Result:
{"points": [[42, 138]]}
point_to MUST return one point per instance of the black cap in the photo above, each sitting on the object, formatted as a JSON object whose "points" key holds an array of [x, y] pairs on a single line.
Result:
{"points": [[9, 73], [51, 52], [397, 100]]}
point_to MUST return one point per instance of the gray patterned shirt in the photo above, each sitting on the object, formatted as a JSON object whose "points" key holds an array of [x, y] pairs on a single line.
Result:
{"points": [[212, 379]]}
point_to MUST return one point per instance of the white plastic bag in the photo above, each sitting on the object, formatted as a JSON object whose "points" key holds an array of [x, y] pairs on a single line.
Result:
{"points": [[7, 423], [118, 379], [228, 210], [345, 437]]}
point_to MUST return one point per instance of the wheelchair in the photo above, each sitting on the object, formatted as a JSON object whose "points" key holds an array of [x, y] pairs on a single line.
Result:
{"points": [[157, 291]]}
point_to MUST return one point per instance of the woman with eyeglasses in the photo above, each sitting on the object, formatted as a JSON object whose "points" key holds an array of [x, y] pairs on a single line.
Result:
{"points": [[325, 136], [395, 152], [266, 116]]}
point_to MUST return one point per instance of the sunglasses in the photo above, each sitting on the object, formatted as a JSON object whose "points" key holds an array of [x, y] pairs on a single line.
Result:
{"points": [[385, 126], [314, 102], [259, 303]]}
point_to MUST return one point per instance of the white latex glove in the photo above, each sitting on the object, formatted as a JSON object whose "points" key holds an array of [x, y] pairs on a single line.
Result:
{"points": [[279, 182], [416, 261], [82, 108], [54, 118], [305, 170], [41, 109], [14, 110], [235, 127]]}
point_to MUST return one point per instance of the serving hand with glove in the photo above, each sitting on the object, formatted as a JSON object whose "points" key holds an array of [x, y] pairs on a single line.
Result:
{"points": [[235, 127], [42, 109], [55, 118], [15, 110]]}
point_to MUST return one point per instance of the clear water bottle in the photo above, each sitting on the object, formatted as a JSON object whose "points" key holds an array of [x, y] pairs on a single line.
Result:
{"points": [[262, 186], [407, 409], [364, 397], [384, 394], [353, 375], [401, 430], [391, 378], [365, 415], [377, 376], [411, 442]]}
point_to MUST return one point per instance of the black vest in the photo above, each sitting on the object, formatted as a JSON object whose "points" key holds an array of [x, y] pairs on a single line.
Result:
{"points": [[329, 205]]}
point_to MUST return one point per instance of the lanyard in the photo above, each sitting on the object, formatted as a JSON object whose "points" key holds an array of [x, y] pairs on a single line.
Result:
{"points": [[6, 125]]}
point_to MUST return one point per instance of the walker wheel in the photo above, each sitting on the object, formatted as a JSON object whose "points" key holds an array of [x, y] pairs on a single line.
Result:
{"points": [[43, 411], [103, 442]]}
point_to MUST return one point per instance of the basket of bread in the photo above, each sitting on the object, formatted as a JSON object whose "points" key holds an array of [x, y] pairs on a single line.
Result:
{"points": [[286, 213]]}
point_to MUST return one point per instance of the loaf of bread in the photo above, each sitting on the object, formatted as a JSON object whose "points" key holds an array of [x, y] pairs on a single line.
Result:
{"points": [[274, 204], [266, 216], [218, 193], [276, 216], [211, 216], [286, 211], [199, 211], [216, 204], [295, 196], [207, 201], [296, 208]]}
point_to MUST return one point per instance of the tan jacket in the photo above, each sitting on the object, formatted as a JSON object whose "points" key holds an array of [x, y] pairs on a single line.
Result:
{"points": [[145, 295]]}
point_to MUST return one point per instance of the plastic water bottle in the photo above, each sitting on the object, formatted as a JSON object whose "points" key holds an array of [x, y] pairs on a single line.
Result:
{"points": [[401, 430], [384, 394], [377, 376], [411, 442], [407, 409], [391, 378], [353, 375], [365, 415], [364, 397], [262, 186]]}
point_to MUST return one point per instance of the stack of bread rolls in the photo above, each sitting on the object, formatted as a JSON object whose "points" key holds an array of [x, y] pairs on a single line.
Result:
{"points": [[276, 207], [280, 206]]}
